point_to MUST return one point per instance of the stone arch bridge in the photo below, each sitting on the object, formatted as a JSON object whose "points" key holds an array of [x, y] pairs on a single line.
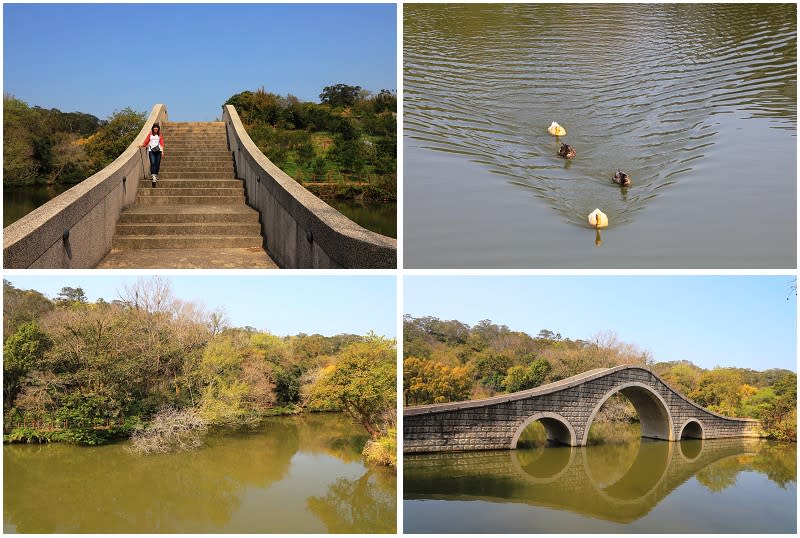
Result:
{"points": [[566, 409]]}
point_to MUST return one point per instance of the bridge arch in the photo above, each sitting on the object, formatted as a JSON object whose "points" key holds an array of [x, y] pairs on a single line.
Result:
{"points": [[556, 427], [692, 429], [654, 416]]}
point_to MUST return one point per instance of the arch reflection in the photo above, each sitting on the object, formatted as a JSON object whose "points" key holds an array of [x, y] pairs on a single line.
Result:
{"points": [[620, 483]]}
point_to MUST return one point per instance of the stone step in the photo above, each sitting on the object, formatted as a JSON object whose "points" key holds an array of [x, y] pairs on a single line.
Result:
{"points": [[188, 161], [175, 142], [201, 166], [194, 124], [214, 214], [185, 166], [188, 191], [191, 183], [199, 154], [196, 146], [195, 171], [187, 242], [218, 174], [189, 228], [160, 199]]}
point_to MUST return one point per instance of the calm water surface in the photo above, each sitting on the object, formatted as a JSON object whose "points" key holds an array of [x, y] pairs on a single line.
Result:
{"points": [[696, 102], [19, 201], [301, 474], [380, 217], [711, 486]]}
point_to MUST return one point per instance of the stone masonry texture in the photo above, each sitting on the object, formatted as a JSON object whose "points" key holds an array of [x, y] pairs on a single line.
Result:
{"points": [[491, 424]]}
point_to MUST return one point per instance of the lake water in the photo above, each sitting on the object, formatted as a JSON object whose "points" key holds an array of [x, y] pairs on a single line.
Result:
{"points": [[641, 486], [19, 201], [696, 102], [379, 217], [296, 474]]}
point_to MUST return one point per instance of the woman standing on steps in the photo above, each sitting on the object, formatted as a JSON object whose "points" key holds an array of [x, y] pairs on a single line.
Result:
{"points": [[155, 148]]}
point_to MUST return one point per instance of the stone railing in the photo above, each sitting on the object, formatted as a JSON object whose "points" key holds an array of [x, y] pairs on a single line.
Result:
{"points": [[74, 230], [299, 229]]}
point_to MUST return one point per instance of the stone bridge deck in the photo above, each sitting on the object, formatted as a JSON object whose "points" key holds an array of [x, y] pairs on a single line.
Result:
{"points": [[566, 409]]}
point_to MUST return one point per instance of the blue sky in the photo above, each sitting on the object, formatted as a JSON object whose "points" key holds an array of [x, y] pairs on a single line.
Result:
{"points": [[98, 58], [281, 304], [727, 321]]}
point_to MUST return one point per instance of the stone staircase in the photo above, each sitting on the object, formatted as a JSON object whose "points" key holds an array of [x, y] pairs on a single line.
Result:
{"points": [[196, 216]]}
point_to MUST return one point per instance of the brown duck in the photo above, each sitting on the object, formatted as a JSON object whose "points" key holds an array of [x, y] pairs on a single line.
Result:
{"points": [[622, 178], [567, 151]]}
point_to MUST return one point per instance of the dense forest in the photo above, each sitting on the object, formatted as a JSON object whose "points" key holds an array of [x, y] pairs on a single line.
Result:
{"points": [[50, 147], [347, 140], [164, 372], [449, 361]]}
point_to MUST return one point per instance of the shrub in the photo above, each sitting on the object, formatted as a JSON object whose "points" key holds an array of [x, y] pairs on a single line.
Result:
{"points": [[382, 451], [171, 430]]}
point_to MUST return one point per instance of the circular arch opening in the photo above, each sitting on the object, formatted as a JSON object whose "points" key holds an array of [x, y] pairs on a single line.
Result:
{"points": [[692, 429], [654, 418], [557, 430]]}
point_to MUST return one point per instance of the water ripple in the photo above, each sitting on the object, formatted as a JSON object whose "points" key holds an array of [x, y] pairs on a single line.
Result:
{"points": [[638, 87]]}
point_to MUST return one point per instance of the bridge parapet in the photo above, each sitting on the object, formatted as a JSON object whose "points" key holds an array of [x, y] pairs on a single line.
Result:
{"points": [[74, 230], [566, 409], [300, 230]]}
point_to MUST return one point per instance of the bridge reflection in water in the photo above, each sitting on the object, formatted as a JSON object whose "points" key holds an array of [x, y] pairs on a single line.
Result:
{"points": [[619, 483]]}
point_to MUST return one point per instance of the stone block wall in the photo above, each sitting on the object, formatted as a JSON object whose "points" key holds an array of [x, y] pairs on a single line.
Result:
{"points": [[492, 423]]}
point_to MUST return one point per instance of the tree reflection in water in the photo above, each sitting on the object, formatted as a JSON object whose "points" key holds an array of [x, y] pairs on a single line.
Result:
{"points": [[619, 482], [367, 504], [246, 482]]}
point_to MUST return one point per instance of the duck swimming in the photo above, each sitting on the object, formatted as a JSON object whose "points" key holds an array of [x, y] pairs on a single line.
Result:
{"points": [[622, 178], [598, 219], [556, 130], [567, 151]]}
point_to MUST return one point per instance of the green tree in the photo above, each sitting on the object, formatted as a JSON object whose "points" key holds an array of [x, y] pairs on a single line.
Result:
{"points": [[362, 383], [523, 378], [71, 295], [340, 95], [22, 353], [115, 135]]}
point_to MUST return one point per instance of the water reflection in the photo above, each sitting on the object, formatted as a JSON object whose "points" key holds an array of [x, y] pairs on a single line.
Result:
{"points": [[380, 217], [620, 482], [18, 201], [257, 482], [648, 103]]}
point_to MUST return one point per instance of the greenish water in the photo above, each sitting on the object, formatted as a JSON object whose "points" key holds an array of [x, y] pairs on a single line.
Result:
{"points": [[697, 102], [639, 486], [19, 201], [296, 474], [379, 217]]}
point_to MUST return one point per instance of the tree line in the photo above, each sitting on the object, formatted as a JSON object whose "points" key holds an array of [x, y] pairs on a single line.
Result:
{"points": [[447, 360], [164, 370], [49, 147], [350, 134]]}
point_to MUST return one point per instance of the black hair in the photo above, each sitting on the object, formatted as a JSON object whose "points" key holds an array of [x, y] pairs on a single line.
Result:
{"points": [[154, 126]]}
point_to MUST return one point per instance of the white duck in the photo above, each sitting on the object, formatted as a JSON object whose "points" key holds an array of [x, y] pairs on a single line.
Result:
{"points": [[556, 130], [598, 219]]}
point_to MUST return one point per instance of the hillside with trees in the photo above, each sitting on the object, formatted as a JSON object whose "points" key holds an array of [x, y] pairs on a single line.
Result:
{"points": [[343, 146], [165, 371], [50, 147], [445, 361]]}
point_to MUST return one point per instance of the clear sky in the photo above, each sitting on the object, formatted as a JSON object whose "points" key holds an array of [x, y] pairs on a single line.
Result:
{"points": [[98, 58], [727, 321], [281, 304]]}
